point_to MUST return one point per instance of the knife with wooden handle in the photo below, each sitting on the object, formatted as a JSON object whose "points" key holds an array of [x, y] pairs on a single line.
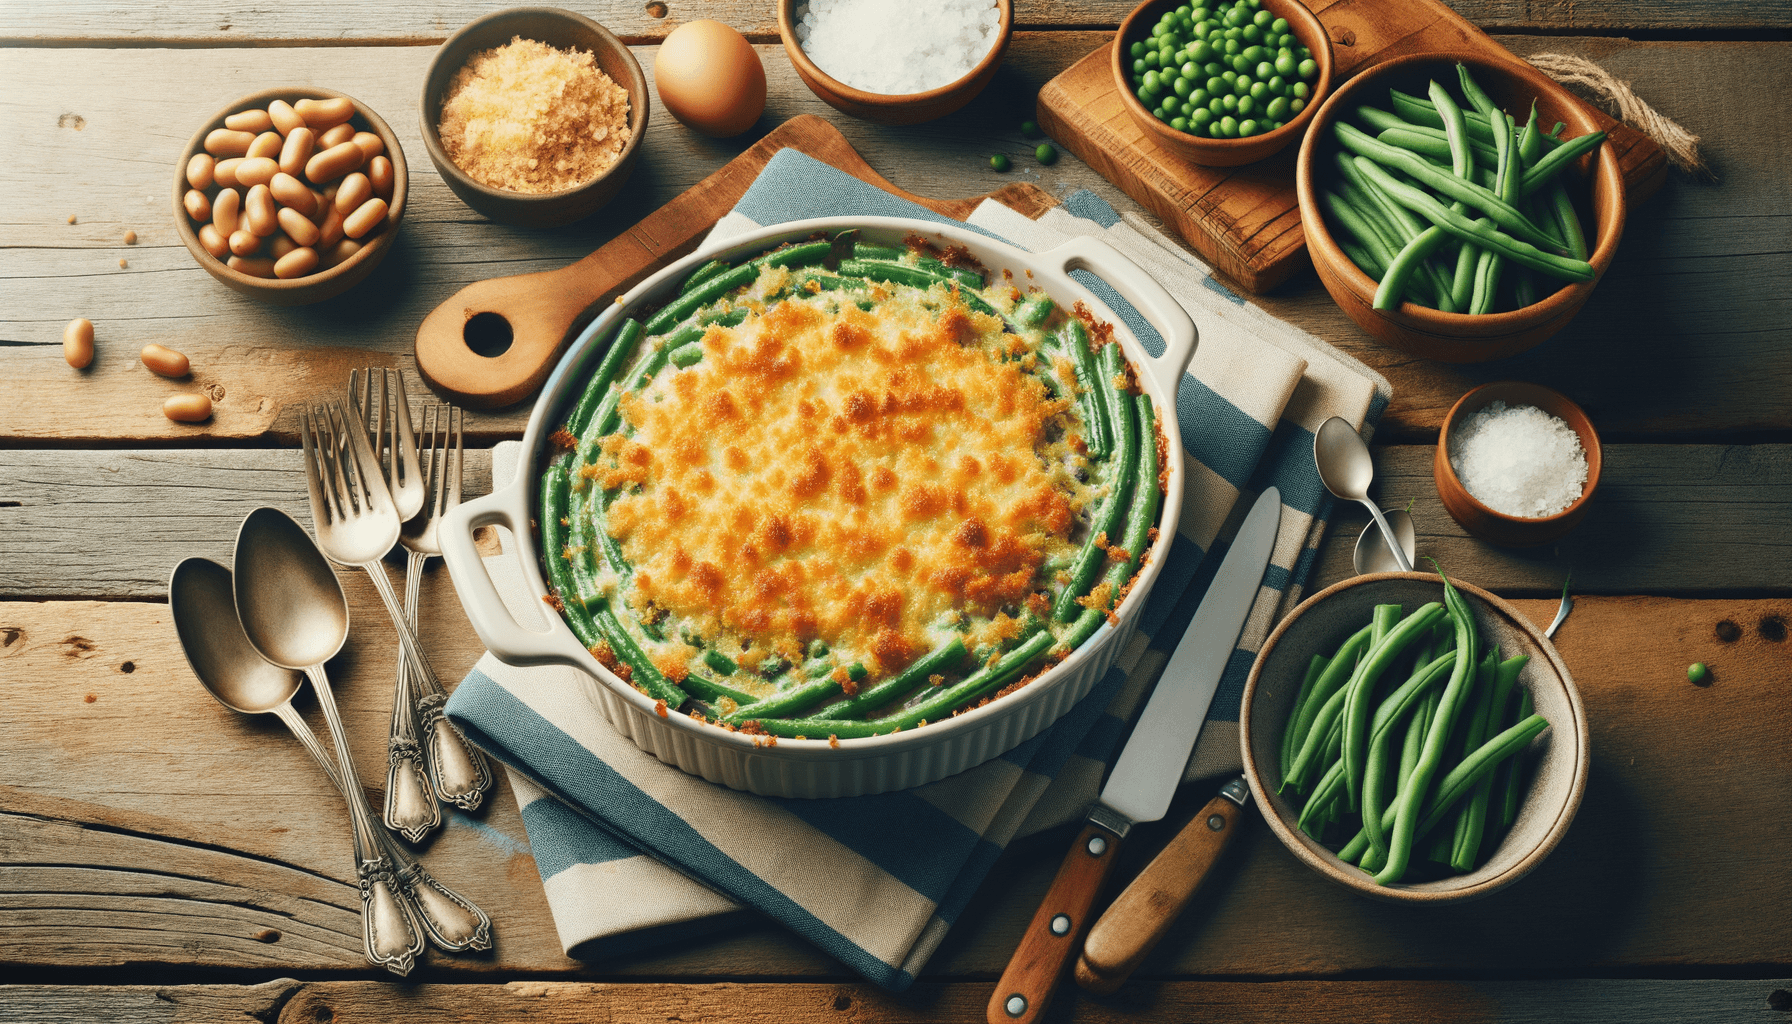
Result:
{"points": [[1139, 917], [1145, 777]]}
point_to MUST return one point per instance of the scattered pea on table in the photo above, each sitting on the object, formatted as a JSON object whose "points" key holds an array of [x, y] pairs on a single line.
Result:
{"points": [[1028, 129], [1697, 674], [1000, 163], [1045, 154]]}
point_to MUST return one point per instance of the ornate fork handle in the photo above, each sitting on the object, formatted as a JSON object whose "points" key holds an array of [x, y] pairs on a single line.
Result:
{"points": [[411, 808], [460, 772]]}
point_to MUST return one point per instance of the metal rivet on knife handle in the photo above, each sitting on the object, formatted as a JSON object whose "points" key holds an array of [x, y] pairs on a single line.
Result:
{"points": [[1056, 931], [1141, 915]]}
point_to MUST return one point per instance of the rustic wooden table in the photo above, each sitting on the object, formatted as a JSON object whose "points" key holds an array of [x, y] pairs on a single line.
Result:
{"points": [[161, 859]]}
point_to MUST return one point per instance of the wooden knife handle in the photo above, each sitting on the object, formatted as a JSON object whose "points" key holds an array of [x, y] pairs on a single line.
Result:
{"points": [[1056, 930], [1141, 915]]}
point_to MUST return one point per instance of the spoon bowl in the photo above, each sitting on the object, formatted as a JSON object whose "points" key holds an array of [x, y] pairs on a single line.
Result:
{"points": [[290, 602], [1346, 468], [1372, 553], [200, 596]]}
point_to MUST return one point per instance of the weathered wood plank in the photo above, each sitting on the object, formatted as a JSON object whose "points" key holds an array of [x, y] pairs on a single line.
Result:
{"points": [[1687, 336], [1668, 519], [128, 807], [1573, 1001], [319, 22]]}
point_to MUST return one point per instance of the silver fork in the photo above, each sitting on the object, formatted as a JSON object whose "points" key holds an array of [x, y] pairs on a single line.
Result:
{"points": [[411, 809], [349, 519], [460, 772], [356, 525]]}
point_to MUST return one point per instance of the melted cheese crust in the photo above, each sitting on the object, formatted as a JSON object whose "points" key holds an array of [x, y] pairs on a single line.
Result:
{"points": [[857, 477]]}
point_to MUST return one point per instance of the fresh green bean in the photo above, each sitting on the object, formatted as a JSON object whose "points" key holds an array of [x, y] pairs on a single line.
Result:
{"points": [[890, 253], [1555, 162], [1420, 111], [1431, 757], [898, 686], [1328, 794], [1362, 687], [1474, 819], [702, 274], [1414, 740], [1363, 258], [1568, 220], [1103, 525], [1477, 232], [1501, 212], [1406, 226], [1462, 158], [1336, 675], [1514, 770], [1476, 98], [1530, 141], [1353, 220], [1414, 257], [1474, 734], [1100, 439], [1487, 270], [1314, 668]]}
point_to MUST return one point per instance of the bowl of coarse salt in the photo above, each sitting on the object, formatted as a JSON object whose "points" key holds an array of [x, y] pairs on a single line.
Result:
{"points": [[1516, 463], [895, 63]]}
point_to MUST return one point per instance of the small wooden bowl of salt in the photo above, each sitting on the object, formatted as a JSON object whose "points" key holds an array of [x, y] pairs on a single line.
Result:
{"points": [[895, 67], [1517, 463]]}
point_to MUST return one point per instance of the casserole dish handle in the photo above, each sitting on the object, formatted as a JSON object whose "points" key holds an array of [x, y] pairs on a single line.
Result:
{"points": [[1154, 303], [509, 640]]}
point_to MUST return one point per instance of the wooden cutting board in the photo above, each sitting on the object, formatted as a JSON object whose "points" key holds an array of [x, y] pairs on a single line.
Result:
{"points": [[543, 312], [1245, 220]]}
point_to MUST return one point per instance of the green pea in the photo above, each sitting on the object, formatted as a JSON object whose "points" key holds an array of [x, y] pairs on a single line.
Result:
{"points": [[1303, 53], [1263, 18], [1158, 114], [1285, 64], [1229, 102], [1309, 68], [1264, 71], [1229, 126], [1184, 9], [1251, 34], [1296, 105], [1217, 106], [1217, 85], [1278, 85], [1200, 14], [1277, 109], [1233, 48], [1230, 35], [1280, 24], [1241, 86], [1190, 71], [1202, 52], [1045, 154], [1138, 49], [1139, 67], [1152, 59], [1697, 673], [1203, 30], [1170, 106], [1240, 65], [1028, 129], [1183, 87], [1151, 80], [1212, 68], [1179, 123], [1199, 98], [1260, 92], [1000, 163], [1248, 127], [1237, 16], [1199, 118], [1228, 76], [1299, 89], [1246, 105], [1254, 54]]}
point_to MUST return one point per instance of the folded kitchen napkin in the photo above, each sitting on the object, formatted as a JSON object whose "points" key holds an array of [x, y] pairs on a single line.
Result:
{"points": [[633, 851]]}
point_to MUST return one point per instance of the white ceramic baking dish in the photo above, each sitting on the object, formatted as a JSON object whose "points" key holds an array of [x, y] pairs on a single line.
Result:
{"points": [[811, 768]]}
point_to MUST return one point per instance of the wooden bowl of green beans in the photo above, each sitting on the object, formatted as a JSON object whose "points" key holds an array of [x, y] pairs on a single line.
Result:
{"points": [[1473, 767], [1222, 83], [1442, 237]]}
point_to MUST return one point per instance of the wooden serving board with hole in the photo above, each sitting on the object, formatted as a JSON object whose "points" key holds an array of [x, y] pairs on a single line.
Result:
{"points": [[1245, 220], [543, 312]]}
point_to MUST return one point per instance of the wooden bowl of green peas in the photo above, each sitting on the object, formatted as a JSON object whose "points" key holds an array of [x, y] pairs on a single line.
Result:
{"points": [[1377, 162], [1487, 812], [1222, 83]]}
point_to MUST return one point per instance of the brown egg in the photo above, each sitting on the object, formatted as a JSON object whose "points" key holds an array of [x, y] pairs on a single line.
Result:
{"points": [[710, 78]]}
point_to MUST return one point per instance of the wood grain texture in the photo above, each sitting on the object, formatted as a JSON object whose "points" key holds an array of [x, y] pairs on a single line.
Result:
{"points": [[1668, 519], [1686, 336], [286, 1001], [320, 22], [1246, 220], [107, 862]]}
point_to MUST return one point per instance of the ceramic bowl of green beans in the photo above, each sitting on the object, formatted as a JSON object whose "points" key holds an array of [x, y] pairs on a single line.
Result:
{"points": [[1362, 708], [1222, 83], [1438, 234]]}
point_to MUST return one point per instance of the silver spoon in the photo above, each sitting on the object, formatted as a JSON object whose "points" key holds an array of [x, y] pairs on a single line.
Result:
{"points": [[1346, 469], [1372, 554], [200, 594], [294, 614]]}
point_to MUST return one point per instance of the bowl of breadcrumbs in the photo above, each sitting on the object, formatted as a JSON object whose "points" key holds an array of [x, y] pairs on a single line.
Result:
{"points": [[534, 116]]}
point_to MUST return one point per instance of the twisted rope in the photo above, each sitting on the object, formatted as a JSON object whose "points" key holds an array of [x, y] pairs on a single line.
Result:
{"points": [[1679, 145]]}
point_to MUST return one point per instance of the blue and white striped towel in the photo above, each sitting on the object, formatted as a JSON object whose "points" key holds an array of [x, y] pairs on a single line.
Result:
{"points": [[632, 851]]}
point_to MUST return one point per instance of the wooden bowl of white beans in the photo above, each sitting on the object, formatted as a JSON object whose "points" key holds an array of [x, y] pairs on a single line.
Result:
{"points": [[291, 195]]}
